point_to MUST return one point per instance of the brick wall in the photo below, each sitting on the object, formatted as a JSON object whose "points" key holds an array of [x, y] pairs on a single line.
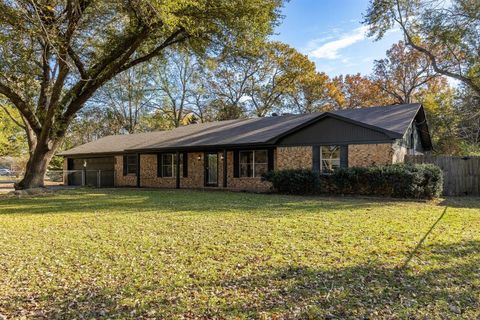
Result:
{"points": [[148, 172], [247, 184], [364, 155], [284, 158], [120, 179], [294, 158]]}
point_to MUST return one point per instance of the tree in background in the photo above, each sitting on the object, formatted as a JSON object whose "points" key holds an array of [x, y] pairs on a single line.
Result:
{"points": [[468, 107], [403, 73], [444, 32], [312, 93], [228, 77], [125, 99], [55, 55], [438, 99], [173, 80], [278, 68], [355, 90]]}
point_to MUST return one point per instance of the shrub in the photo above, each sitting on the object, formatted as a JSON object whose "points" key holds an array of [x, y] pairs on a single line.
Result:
{"points": [[293, 181], [399, 180]]}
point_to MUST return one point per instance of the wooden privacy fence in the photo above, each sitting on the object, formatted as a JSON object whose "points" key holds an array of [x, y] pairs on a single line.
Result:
{"points": [[461, 174]]}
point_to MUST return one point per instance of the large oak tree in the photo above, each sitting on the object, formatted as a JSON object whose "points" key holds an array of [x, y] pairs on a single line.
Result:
{"points": [[55, 54], [445, 32]]}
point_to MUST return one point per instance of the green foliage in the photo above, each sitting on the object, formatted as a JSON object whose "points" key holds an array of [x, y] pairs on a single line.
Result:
{"points": [[293, 181], [443, 116], [165, 254], [420, 181], [55, 55], [12, 137], [56, 163]]}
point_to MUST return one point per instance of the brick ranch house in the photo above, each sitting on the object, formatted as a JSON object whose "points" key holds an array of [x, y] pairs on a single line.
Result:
{"points": [[233, 154]]}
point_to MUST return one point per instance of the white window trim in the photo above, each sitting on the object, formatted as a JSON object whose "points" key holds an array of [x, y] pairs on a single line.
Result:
{"points": [[321, 157], [253, 162]]}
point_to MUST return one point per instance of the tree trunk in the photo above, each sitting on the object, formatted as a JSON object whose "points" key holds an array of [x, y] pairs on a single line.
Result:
{"points": [[36, 167]]}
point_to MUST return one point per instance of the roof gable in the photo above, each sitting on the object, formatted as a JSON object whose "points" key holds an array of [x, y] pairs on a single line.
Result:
{"points": [[333, 129]]}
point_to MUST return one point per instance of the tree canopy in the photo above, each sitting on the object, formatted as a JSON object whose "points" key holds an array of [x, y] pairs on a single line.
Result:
{"points": [[445, 32], [54, 55]]}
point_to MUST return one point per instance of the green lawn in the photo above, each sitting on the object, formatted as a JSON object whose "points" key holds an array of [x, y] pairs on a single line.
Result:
{"points": [[202, 255]]}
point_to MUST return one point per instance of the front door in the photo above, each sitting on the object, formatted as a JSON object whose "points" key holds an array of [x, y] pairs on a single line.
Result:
{"points": [[211, 169]]}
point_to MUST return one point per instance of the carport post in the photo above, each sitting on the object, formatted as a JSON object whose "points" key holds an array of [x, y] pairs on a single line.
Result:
{"points": [[99, 179], [177, 169], [225, 168], [138, 170]]}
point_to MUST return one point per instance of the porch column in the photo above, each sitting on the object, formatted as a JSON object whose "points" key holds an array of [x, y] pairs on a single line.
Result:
{"points": [[225, 170], [177, 176], [138, 170]]}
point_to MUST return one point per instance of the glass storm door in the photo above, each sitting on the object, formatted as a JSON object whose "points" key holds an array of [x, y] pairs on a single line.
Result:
{"points": [[211, 169]]}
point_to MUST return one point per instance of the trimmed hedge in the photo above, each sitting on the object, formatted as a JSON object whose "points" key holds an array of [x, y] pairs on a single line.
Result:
{"points": [[293, 181], [420, 181]]}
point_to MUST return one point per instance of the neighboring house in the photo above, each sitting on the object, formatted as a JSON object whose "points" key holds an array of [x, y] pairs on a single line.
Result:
{"points": [[233, 154]]}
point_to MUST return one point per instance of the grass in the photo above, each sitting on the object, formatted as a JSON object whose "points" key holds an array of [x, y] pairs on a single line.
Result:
{"points": [[214, 255]]}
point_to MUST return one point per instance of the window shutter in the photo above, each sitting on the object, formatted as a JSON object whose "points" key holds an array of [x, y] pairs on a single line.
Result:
{"points": [[159, 165], [316, 158], [270, 159], [124, 165], [236, 164], [344, 156], [185, 164]]}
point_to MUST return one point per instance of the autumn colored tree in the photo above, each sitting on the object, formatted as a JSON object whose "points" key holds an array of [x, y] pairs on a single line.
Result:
{"points": [[279, 68], [356, 90], [313, 92], [54, 55], [443, 118], [444, 32], [402, 73]]}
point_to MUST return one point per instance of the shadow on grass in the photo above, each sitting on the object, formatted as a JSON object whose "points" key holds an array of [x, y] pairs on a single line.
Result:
{"points": [[134, 201], [300, 292], [364, 291], [422, 240]]}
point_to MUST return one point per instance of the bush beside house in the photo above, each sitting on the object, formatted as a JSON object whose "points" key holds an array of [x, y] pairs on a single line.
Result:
{"points": [[420, 181]]}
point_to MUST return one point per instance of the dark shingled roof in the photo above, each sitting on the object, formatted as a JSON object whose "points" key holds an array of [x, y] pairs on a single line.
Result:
{"points": [[392, 120]]}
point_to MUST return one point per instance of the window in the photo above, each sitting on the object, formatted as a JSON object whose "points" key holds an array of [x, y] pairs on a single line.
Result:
{"points": [[253, 163], [131, 164], [169, 164], [329, 158]]}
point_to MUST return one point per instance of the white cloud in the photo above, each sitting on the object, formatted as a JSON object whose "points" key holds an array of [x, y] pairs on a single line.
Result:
{"points": [[330, 50]]}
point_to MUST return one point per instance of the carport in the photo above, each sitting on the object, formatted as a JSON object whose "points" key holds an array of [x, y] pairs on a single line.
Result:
{"points": [[92, 171]]}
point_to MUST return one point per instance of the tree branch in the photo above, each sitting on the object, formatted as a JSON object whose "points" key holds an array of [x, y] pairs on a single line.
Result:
{"points": [[12, 117], [22, 107], [78, 63], [168, 42]]}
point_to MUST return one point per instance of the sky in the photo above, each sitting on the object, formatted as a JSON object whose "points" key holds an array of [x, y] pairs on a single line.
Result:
{"points": [[330, 32]]}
